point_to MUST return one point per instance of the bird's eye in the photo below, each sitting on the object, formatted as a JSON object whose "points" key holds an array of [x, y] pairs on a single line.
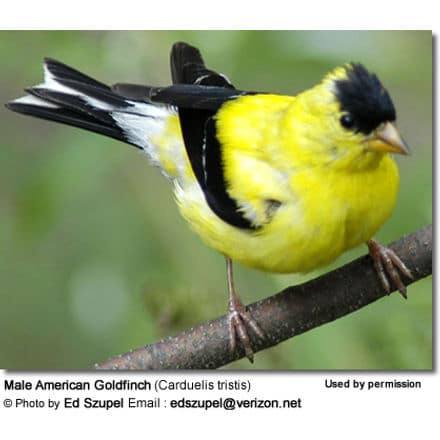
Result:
{"points": [[347, 121]]}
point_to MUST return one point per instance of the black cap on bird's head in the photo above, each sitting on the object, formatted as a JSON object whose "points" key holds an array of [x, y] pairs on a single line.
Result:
{"points": [[364, 99], [368, 109]]}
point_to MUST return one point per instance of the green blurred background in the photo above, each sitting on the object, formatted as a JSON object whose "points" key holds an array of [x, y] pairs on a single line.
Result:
{"points": [[94, 257]]}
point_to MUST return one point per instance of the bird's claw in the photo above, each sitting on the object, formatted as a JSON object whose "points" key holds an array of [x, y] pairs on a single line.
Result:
{"points": [[388, 264], [239, 322]]}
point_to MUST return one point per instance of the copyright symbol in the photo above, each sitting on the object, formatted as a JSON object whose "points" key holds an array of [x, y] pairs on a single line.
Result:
{"points": [[7, 403]]}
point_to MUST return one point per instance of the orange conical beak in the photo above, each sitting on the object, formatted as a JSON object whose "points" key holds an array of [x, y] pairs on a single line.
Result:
{"points": [[386, 139]]}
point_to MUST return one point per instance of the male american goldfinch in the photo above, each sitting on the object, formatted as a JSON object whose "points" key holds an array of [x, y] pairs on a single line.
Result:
{"points": [[277, 183]]}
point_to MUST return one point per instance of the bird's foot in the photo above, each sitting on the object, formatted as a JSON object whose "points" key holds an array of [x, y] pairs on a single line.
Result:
{"points": [[388, 264], [239, 322]]}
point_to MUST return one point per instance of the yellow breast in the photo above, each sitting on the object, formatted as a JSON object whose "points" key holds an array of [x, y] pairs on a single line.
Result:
{"points": [[327, 215], [325, 209]]}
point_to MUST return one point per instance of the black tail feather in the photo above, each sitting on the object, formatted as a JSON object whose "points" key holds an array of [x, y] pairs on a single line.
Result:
{"points": [[76, 105], [106, 95], [62, 71], [69, 117], [72, 103]]}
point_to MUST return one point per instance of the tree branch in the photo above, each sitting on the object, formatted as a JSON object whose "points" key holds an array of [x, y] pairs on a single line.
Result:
{"points": [[291, 312]]}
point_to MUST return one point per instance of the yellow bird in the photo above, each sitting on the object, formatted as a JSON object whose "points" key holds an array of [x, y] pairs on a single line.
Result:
{"points": [[277, 183]]}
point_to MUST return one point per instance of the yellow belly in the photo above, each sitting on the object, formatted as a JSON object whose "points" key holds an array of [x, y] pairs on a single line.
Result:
{"points": [[327, 214]]}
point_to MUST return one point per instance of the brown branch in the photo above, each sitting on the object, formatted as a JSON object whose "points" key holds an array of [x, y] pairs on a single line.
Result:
{"points": [[291, 312]]}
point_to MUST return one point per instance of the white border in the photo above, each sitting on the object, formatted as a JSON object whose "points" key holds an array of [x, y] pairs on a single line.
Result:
{"points": [[327, 414]]}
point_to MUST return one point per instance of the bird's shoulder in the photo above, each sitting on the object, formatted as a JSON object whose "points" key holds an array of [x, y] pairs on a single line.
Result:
{"points": [[253, 123], [249, 130]]}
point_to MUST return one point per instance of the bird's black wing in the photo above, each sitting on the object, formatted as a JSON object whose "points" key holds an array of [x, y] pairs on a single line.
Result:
{"points": [[198, 93], [133, 91], [195, 97], [188, 67]]}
